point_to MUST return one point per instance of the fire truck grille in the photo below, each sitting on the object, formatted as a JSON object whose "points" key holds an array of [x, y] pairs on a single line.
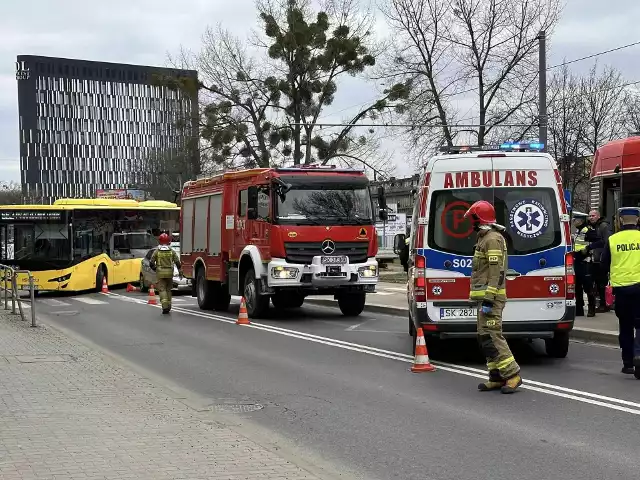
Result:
{"points": [[303, 252]]}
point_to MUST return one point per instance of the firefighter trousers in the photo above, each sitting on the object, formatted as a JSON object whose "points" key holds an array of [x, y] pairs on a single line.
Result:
{"points": [[500, 360], [164, 291]]}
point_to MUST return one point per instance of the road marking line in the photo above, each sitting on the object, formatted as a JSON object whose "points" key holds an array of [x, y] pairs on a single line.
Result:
{"points": [[89, 301], [395, 289], [382, 294], [52, 302], [549, 389], [353, 327]]}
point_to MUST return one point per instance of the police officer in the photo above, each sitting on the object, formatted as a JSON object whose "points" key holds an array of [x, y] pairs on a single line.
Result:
{"points": [[404, 252], [621, 257], [162, 262], [488, 289], [582, 266], [597, 234]]}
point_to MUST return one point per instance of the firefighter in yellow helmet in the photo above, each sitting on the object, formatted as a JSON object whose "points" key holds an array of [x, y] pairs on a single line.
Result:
{"points": [[488, 289], [621, 257], [162, 262]]}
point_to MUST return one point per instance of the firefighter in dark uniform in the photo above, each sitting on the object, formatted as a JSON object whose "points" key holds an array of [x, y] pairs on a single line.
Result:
{"points": [[582, 266], [621, 257], [162, 262], [488, 289], [404, 252]]}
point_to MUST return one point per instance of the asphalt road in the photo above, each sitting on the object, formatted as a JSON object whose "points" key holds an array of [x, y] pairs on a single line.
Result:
{"points": [[342, 388]]}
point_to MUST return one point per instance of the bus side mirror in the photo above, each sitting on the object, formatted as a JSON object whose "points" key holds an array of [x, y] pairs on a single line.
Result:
{"points": [[398, 242], [252, 203]]}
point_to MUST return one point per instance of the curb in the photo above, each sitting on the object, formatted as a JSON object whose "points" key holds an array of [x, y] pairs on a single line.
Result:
{"points": [[578, 333]]}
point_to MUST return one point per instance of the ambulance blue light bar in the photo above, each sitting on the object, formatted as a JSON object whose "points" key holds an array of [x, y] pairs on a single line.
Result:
{"points": [[522, 147]]}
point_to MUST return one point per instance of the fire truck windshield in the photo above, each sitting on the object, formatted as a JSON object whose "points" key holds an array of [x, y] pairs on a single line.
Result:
{"points": [[327, 205]]}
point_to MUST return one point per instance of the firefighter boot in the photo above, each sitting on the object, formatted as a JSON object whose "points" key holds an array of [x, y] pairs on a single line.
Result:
{"points": [[512, 384], [494, 383], [592, 311], [636, 364], [166, 310]]}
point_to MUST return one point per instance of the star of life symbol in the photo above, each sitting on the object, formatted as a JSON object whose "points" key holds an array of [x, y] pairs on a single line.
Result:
{"points": [[529, 218], [554, 288], [437, 290]]}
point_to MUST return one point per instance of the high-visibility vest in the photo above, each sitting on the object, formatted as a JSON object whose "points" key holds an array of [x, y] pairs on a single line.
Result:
{"points": [[625, 258], [579, 243]]}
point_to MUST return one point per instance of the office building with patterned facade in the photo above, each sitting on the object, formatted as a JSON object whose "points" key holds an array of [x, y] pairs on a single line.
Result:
{"points": [[86, 126]]}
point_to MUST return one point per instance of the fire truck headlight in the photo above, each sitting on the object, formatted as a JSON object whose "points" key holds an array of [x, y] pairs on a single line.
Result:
{"points": [[368, 272], [284, 272]]}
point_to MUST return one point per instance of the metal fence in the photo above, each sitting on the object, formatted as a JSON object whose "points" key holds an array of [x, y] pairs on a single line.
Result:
{"points": [[9, 284]]}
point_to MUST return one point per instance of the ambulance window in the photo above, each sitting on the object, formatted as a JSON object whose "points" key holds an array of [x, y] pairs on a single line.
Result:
{"points": [[448, 230], [531, 218]]}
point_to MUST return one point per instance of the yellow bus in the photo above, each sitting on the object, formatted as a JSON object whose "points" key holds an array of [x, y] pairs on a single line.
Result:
{"points": [[72, 245]]}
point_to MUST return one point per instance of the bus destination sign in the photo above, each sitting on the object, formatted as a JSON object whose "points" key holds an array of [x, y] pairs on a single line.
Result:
{"points": [[35, 216]]}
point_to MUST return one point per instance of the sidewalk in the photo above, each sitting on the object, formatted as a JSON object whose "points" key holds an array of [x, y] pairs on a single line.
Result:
{"points": [[601, 328], [70, 412]]}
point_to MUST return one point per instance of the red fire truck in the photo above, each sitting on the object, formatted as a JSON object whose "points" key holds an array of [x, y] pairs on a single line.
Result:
{"points": [[280, 234]]}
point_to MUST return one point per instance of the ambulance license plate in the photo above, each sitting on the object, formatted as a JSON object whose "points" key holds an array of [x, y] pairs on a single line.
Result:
{"points": [[458, 313]]}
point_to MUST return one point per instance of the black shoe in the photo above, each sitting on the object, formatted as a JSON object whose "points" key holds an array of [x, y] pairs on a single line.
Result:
{"points": [[165, 311], [580, 312], [628, 370], [636, 362], [603, 309], [591, 312]]}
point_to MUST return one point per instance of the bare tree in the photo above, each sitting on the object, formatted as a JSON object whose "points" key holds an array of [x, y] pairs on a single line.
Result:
{"points": [[10, 193], [602, 94], [450, 47]]}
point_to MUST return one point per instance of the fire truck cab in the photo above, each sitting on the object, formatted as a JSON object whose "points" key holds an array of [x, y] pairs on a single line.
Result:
{"points": [[280, 234], [525, 187]]}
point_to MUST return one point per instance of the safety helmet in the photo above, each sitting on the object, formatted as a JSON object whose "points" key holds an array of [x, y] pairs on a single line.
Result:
{"points": [[481, 212], [164, 239]]}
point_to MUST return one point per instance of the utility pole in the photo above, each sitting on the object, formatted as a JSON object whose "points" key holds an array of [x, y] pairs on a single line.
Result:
{"points": [[542, 95]]}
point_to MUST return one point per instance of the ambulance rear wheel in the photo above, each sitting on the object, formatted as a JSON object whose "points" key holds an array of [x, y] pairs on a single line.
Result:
{"points": [[204, 291], [352, 304], [558, 346]]}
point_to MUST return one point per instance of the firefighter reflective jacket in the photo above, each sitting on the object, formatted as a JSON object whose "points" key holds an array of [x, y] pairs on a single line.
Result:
{"points": [[489, 267], [164, 258]]}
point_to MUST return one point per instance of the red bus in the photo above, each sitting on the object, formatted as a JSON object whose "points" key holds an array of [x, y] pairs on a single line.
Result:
{"points": [[615, 177]]}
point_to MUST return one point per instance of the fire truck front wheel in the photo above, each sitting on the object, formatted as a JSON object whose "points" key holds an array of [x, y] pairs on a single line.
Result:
{"points": [[352, 304], [257, 305]]}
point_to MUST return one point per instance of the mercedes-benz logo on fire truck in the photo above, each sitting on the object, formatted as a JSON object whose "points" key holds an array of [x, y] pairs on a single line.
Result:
{"points": [[328, 247]]}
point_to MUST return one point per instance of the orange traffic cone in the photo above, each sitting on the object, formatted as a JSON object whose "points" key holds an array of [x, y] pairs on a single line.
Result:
{"points": [[131, 288], [243, 318], [152, 296], [105, 287], [421, 360]]}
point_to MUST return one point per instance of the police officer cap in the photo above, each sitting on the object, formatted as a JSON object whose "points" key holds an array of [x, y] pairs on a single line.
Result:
{"points": [[629, 211]]}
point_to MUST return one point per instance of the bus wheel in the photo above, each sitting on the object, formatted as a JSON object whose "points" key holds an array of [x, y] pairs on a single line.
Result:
{"points": [[101, 275]]}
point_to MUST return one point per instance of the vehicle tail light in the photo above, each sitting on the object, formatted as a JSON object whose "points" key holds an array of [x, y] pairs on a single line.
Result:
{"points": [[420, 280], [570, 276]]}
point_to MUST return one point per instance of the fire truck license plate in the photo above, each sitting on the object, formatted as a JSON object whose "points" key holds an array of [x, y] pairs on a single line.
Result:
{"points": [[458, 313], [335, 260]]}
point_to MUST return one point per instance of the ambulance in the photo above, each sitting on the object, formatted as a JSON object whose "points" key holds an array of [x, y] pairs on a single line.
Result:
{"points": [[525, 187]]}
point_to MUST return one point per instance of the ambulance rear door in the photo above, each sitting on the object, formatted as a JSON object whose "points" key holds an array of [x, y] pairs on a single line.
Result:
{"points": [[527, 203], [456, 183]]}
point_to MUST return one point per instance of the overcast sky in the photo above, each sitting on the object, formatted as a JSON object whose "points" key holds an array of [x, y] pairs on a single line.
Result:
{"points": [[144, 31]]}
